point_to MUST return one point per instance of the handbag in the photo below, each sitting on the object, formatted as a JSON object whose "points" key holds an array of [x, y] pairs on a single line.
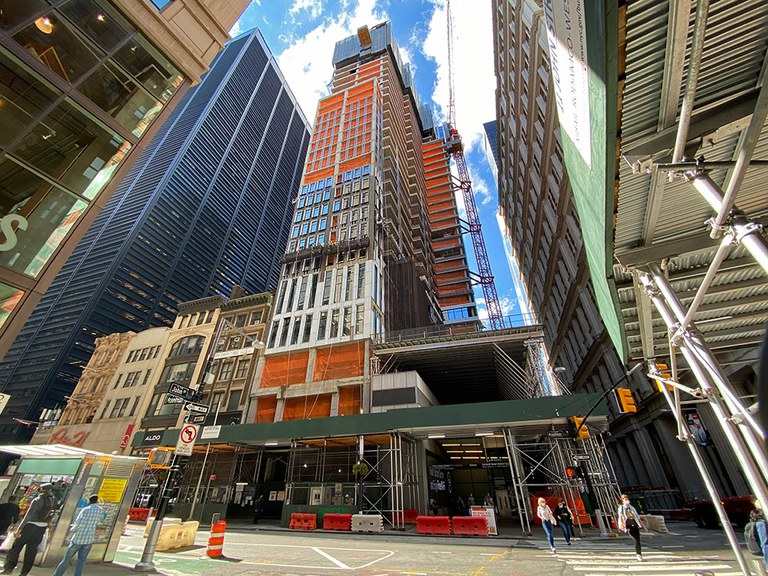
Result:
{"points": [[10, 538]]}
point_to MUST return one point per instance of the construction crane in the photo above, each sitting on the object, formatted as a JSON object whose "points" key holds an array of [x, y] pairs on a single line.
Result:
{"points": [[456, 150]]}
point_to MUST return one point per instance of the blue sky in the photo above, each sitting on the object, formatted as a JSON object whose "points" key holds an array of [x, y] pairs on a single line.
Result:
{"points": [[302, 34]]}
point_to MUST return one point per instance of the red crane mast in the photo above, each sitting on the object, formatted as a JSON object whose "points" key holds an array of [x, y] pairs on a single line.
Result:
{"points": [[456, 150]]}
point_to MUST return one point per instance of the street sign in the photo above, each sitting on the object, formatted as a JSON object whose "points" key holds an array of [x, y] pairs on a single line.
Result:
{"points": [[578, 457], [195, 407], [3, 401], [170, 399], [556, 434], [231, 353], [186, 441], [182, 391], [194, 418], [211, 432]]}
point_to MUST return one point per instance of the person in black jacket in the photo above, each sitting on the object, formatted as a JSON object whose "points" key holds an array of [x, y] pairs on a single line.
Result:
{"points": [[9, 513], [565, 520], [30, 531]]}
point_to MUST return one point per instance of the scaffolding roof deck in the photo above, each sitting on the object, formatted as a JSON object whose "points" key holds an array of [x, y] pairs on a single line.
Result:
{"points": [[529, 417], [461, 368]]}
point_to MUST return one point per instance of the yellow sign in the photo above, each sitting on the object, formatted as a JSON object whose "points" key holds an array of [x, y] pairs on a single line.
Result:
{"points": [[112, 489]]}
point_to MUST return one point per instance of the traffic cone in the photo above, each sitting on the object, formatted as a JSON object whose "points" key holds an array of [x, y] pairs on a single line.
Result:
{"points": [[216, 540]]}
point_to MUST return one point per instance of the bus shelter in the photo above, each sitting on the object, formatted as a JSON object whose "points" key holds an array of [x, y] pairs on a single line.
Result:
{"points": [[75, 474]]}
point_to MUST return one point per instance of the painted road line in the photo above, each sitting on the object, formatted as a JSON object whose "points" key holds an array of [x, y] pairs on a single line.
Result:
{"points": [[643, 568], [332, 559]]}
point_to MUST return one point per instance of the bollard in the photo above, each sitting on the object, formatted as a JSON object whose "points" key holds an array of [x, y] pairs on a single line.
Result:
{"points": [[216, 539]]}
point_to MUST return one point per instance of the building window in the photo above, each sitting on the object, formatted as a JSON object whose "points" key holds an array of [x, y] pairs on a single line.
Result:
{"points": [[307, 328], [242, 369], [225, 373], [234, 400], [256, 317], [321, 325]]}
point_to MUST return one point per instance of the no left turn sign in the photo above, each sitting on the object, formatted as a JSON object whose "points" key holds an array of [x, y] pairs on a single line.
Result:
{"points": [[186, 442]]}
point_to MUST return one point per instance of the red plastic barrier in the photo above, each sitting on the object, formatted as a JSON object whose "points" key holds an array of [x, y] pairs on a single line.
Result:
{"points": [[138, 514], [341, 522], [301, 521], [433, 525], [470, 526], [410, 515]]}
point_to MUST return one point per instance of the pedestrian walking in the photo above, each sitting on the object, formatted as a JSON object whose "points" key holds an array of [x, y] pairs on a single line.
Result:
{"points": [[629, 522], [565, 520], [756, 535], [9, 514], [30, 532], [83, 535], [258, 509], [548, 520]]}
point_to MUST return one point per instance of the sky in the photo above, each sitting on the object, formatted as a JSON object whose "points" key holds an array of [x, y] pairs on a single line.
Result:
{"points": [[302, 34]]}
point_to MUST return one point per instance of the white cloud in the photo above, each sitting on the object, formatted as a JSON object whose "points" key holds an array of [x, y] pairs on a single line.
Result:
{"points": [[312, 7], [474, 80], [307, 63]]}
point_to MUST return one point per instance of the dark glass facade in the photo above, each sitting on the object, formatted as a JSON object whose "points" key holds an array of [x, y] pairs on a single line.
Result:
{"points": [[202, 210]]}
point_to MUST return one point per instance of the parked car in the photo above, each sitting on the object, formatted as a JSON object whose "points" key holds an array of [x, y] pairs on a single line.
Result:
{"points": [[736, 507]]}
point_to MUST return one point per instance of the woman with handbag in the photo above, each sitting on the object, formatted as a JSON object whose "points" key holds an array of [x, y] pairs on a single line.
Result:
{"points": [[629, 522], [548, 521]]}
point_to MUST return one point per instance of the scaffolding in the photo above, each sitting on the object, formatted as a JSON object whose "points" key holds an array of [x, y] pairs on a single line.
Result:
{"points": [[381, 471], [539, 465]]}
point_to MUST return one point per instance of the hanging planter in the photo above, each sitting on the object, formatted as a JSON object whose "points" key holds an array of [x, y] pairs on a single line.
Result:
{"points": [[360, 469]]}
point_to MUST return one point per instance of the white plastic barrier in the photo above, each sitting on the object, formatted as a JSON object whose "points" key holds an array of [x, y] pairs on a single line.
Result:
{"points": [[177, 535], [367, 523], [655, 522], [166, 522]]}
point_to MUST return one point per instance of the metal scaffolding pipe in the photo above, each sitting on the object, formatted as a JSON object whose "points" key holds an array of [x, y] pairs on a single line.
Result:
{"points": [[747, 458], [744, 156], [691, 82], [748, 234], [704, 356]]}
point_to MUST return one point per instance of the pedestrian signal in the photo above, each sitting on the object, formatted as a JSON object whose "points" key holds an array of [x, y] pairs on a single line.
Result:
{"points": [[626, 400], [661, 372], [577, 429], [573, 472]]}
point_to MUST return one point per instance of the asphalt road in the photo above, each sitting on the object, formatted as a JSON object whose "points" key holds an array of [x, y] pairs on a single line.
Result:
{"points": [[686, 550]]}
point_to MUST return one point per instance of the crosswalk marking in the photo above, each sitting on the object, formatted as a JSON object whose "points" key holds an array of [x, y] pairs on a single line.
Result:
{"points": [[618, 559]]}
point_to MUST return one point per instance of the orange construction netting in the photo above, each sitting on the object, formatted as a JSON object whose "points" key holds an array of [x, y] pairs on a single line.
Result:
{"points": [[285, 369], [304, 407], [342, 361]]}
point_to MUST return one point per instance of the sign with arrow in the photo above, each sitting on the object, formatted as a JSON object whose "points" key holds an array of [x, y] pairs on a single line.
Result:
{"points": [[170, 399], [195, 407]]}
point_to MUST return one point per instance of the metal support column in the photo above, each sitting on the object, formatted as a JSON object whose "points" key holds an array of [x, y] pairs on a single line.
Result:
{"points": [[516, 469]]}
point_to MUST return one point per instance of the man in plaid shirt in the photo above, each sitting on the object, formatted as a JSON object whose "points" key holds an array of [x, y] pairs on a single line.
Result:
{"points": [[83, 535]]}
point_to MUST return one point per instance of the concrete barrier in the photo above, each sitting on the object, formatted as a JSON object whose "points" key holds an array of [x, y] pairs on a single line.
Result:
{"points": [[434, 525], [367, 523]]}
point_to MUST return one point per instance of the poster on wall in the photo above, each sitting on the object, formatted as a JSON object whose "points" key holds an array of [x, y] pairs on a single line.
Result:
{"points": [[489, 514], [700, 434]]}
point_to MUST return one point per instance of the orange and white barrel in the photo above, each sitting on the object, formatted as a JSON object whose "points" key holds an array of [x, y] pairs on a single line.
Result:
{"points": [[216, 540]]}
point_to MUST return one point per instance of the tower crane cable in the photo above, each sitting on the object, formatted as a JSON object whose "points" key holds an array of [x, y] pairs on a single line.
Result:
{"points": [[456, 150]]}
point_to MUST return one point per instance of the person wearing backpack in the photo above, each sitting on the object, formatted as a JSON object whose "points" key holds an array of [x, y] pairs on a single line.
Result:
{"points": [[756, 535], [30, 532]]}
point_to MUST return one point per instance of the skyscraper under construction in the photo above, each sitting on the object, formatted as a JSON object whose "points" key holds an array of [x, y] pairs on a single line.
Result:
{"points": [[375, 244]]}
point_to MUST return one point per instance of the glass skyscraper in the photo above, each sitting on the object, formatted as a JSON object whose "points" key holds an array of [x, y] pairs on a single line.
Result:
{"points": [[203, 210]]}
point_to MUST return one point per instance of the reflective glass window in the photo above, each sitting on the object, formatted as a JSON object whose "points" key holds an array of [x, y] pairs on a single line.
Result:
{"points": [[9, 297], [120, 97], [150, 67], [71, 147], [99, 21], [22, 99], [53, 41], [38, 215]]}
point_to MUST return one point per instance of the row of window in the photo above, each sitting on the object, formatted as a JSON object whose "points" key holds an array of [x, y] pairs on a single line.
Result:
{"points": [[143, 354], [340, 322], [132, 379], [343, 283], [119, 408]]}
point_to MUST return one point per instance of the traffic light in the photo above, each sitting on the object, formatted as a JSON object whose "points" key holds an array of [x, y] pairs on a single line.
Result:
{"points": [[160, 458], [662, 372], [576, 421], [573, 472], [626, 400]]}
